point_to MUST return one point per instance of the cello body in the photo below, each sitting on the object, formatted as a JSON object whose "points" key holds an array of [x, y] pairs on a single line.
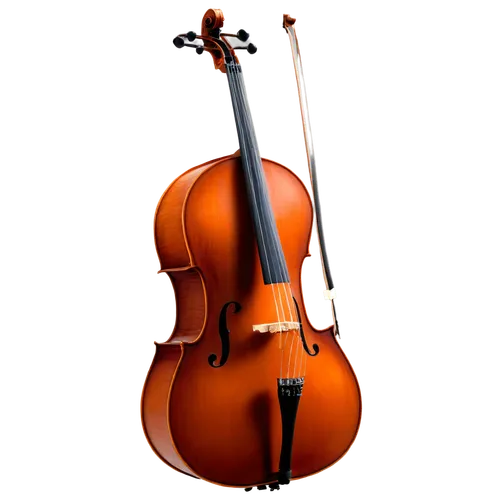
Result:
{"points": [[209, 406]]}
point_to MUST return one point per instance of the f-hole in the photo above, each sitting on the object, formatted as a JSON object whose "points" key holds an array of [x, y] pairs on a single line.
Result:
{"points": [[224, 335], [302, 336]]}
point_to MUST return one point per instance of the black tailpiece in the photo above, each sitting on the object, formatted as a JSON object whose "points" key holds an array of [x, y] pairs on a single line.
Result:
{"points": [[289, 392]]}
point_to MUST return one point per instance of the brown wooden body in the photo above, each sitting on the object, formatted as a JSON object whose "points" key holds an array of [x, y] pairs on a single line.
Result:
{"points": [[223, 424]]}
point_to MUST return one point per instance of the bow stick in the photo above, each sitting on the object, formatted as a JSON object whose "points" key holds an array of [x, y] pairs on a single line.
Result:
{"points": [[329, 293]]}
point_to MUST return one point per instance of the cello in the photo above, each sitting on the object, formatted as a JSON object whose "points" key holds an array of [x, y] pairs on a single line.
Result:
{"points": [[245, 392]]}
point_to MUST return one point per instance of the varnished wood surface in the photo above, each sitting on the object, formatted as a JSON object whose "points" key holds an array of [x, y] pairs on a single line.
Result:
{"points": [[223, 424]]}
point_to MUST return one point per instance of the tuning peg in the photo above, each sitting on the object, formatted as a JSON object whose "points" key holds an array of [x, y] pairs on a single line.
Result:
{"points": [[191, 35], [242, 35], [252, 49], [179, 42]]}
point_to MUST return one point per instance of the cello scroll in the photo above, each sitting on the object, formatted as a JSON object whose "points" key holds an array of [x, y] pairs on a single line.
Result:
{"points": [[215, 42]]}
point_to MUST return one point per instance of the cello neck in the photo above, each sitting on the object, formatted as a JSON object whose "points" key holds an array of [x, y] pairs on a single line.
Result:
{"points": [[272, 259]]}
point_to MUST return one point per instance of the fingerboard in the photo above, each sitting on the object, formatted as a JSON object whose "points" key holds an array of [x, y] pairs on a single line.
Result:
{"points": [[272, 259]]}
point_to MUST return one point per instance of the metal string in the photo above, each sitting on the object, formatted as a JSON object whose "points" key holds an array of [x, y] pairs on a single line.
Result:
{"points": [[248, 144]]}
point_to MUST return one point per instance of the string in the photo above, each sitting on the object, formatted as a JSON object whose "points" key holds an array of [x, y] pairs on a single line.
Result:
{"points": [[291, 311], [242, 120], [244, 147], [281, 271], [272, 240], [245, 120]]}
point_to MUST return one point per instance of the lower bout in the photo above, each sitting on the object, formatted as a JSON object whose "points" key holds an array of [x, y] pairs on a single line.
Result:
{"points": [[227, 428], [154, 403]]}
